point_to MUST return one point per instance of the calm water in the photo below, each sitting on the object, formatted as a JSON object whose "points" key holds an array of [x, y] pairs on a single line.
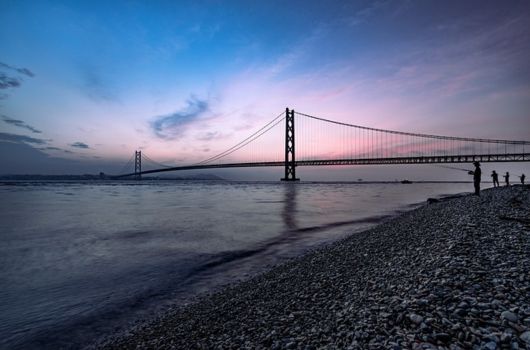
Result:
{"points": [[81, 260]]}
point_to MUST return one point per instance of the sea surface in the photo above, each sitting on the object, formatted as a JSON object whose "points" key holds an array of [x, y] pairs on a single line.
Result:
{"points": [[81, 260]]}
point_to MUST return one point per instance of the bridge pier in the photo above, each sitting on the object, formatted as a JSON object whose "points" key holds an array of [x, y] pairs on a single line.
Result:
{"points": [[290, 163]]}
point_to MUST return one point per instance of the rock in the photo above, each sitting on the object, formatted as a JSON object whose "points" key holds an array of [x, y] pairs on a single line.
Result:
{"points": [[417, 319], [506, 337], [490, 345], [443, 337], [510, 316], [525, 336], [291, 345]]}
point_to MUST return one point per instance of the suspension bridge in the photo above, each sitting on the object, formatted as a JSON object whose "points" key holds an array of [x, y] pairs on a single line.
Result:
{"points": [[323, 142]]}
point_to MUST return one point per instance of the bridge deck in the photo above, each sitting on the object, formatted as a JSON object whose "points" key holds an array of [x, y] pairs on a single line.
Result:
{"points": [[445, 159]]}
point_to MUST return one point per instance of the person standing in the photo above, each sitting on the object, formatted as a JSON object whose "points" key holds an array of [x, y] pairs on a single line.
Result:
{"points": [[495, 178], [476, 177], [522, 177], [507, 178]]}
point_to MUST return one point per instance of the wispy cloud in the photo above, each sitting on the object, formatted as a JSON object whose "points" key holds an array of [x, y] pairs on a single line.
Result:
{"points": [[9, 82], [81, 145], [211, 135], [51, 148], [173, 126], [23, 71], [20, 139], [362, 15], [20, 124], [96, 86], [481, 60]]}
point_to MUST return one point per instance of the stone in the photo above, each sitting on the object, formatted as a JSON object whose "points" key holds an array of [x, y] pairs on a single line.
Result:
{"points": [[506, 337], [525, 336], [417, 319], [291, 345], [490, 345], [510, 316]]}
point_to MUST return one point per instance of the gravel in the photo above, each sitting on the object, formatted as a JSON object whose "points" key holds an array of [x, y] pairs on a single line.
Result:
{"points": [[453, 274]]}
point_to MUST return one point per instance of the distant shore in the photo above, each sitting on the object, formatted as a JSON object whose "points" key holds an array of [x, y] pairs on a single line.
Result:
{"points": [[454, 273], [13, 179], [103, 177]]}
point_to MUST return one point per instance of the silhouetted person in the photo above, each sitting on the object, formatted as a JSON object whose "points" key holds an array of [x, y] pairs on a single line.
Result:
{"points": [[507, 178], [495, 178], [522, 177], [476, 177]]}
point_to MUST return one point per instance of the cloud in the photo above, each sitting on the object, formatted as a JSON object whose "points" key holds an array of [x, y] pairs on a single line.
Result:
{"points": [[481, 61], [173, 126], [81, 145], [95, 86], [26, 71], [23, 71], [50, 148], [8, 82], [364, 14], [20, 139], [20, 124], [211, 135]]}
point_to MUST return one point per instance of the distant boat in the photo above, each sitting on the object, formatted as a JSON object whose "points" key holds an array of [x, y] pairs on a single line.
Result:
{"points": [[406, 181]]}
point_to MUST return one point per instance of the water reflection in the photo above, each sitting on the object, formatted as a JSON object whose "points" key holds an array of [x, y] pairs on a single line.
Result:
{"points": [[289, 206]]}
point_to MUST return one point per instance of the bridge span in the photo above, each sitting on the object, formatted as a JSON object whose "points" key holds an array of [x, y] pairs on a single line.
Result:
{"points": [[333, 143]]}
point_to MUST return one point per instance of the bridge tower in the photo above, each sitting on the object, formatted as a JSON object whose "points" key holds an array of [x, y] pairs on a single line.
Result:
{"points": [[138, 165], [290, 164]]}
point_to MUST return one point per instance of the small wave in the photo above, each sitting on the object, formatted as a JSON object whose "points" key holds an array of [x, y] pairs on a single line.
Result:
{"points": [[287, 237], [368, 220]]}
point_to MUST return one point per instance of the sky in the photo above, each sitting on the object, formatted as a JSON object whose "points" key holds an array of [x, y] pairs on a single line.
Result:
{"points": [[83, 84]]}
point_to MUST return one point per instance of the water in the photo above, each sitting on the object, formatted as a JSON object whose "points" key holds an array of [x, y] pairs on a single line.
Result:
{"points": [[81, 260]]}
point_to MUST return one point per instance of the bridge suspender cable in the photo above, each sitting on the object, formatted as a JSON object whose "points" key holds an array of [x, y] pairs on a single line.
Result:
{"points": [[454, 138]]}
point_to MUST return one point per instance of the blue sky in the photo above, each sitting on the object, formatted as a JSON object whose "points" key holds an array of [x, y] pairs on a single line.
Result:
{"points": [[185, 80]]}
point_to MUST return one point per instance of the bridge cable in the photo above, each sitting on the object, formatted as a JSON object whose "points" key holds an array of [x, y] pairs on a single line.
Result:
{"points": [[244, 144], [155, 162], [455, 138], [127, 165], [232, 149]]}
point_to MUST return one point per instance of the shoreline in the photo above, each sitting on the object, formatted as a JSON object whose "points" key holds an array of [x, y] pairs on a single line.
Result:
{"points": [[425, 278]]}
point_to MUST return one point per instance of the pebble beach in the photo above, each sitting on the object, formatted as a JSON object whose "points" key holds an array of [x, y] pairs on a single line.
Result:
{"points": [[452, 274]]}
